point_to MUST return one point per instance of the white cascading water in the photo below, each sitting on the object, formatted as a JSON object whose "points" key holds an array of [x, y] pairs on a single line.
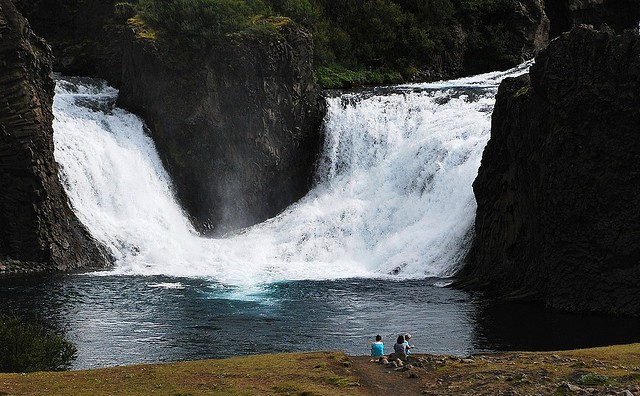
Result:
{"points": [[393, 193]]}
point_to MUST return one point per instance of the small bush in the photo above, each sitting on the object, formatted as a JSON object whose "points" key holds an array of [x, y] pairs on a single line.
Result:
{"points": [[26, 347], [337, 77], [199, 22], [265, 26], [592, 379]]}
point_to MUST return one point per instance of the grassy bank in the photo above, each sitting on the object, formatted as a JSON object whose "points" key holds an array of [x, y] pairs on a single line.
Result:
{"points": [[597, 371], [320, 373]]}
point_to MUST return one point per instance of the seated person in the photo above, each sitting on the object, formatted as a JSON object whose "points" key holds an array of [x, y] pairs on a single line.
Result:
{"points": [[377, 348], [399, 349], [407, 337]]}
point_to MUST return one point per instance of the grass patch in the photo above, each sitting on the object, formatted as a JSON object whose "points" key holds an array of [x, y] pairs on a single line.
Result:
{"points": [[337, 77], [261, 26], [142, 31], [534, 373], [522, 92], [286, 388], [342, 381], [318, 373], [592, 379], [324, 373]]}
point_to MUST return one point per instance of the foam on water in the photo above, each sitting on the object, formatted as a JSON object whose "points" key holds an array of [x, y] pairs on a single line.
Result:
{"points": [[393, 195]]}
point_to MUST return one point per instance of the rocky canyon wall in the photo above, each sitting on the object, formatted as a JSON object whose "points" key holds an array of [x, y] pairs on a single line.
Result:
{"points": [[558, 215], [38, 230], [85, 36], [238, 129], [620, 15]]}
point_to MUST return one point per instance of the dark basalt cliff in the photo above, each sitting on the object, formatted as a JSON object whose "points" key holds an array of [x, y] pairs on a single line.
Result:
{"points": [[618, 14], [558, 215], [239, 132], [85, 36], [529, 29], [38, 230]]}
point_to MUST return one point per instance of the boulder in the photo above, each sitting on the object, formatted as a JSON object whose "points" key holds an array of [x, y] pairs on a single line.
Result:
{"points": [[237, 126], [558, 215], [38, 230]]}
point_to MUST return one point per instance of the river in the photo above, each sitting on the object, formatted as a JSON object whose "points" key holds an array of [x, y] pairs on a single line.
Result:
{"points": [[368, 251]]}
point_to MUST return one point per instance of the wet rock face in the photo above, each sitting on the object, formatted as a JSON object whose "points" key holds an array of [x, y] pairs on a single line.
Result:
{"points": [[38, 230], [558, 213], [238, 131]]}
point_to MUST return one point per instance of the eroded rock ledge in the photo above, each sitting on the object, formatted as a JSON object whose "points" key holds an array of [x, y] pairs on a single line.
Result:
{"points": [[558, 215], [38, 230]]}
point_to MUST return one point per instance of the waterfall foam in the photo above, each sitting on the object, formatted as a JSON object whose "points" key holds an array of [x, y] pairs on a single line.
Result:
{"points": [[393, 195]]}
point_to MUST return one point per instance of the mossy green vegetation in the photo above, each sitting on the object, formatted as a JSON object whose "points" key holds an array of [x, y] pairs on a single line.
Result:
{"points": [[594, 379], [198, 23], [262, 26], [142, 30], [522, 92], [356, 43], [375, 37], [339, 77], [603, 370]]}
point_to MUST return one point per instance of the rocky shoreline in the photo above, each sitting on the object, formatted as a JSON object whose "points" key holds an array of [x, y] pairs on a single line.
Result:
{"points": [[613, 370], [598, 371]]}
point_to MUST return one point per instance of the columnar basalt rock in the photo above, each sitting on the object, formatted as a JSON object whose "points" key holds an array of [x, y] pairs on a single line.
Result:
{"points": [[558, 215], [38, 230], [238, 129]]}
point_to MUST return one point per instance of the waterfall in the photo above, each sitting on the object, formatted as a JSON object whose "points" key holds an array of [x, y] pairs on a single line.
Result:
{"points": [[393, 193]]}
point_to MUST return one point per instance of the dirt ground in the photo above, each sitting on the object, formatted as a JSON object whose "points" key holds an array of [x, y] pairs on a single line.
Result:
{"points": [[598, 371], [377, 379]]}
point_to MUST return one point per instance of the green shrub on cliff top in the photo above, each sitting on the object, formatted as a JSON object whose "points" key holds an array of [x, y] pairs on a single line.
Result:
{"points": [[366, 36], [338, 77], [26, 347], [199, 22]]}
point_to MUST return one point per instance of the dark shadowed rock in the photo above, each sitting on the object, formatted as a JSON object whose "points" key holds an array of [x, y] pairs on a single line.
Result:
{"points": [[618, 14], [529, 29], [38, 230], [510, 33], [85, 36], [558, 213], [238, 128]]}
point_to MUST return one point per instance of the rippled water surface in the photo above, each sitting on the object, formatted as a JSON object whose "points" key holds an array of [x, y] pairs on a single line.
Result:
{"points": [[117, 320]]}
